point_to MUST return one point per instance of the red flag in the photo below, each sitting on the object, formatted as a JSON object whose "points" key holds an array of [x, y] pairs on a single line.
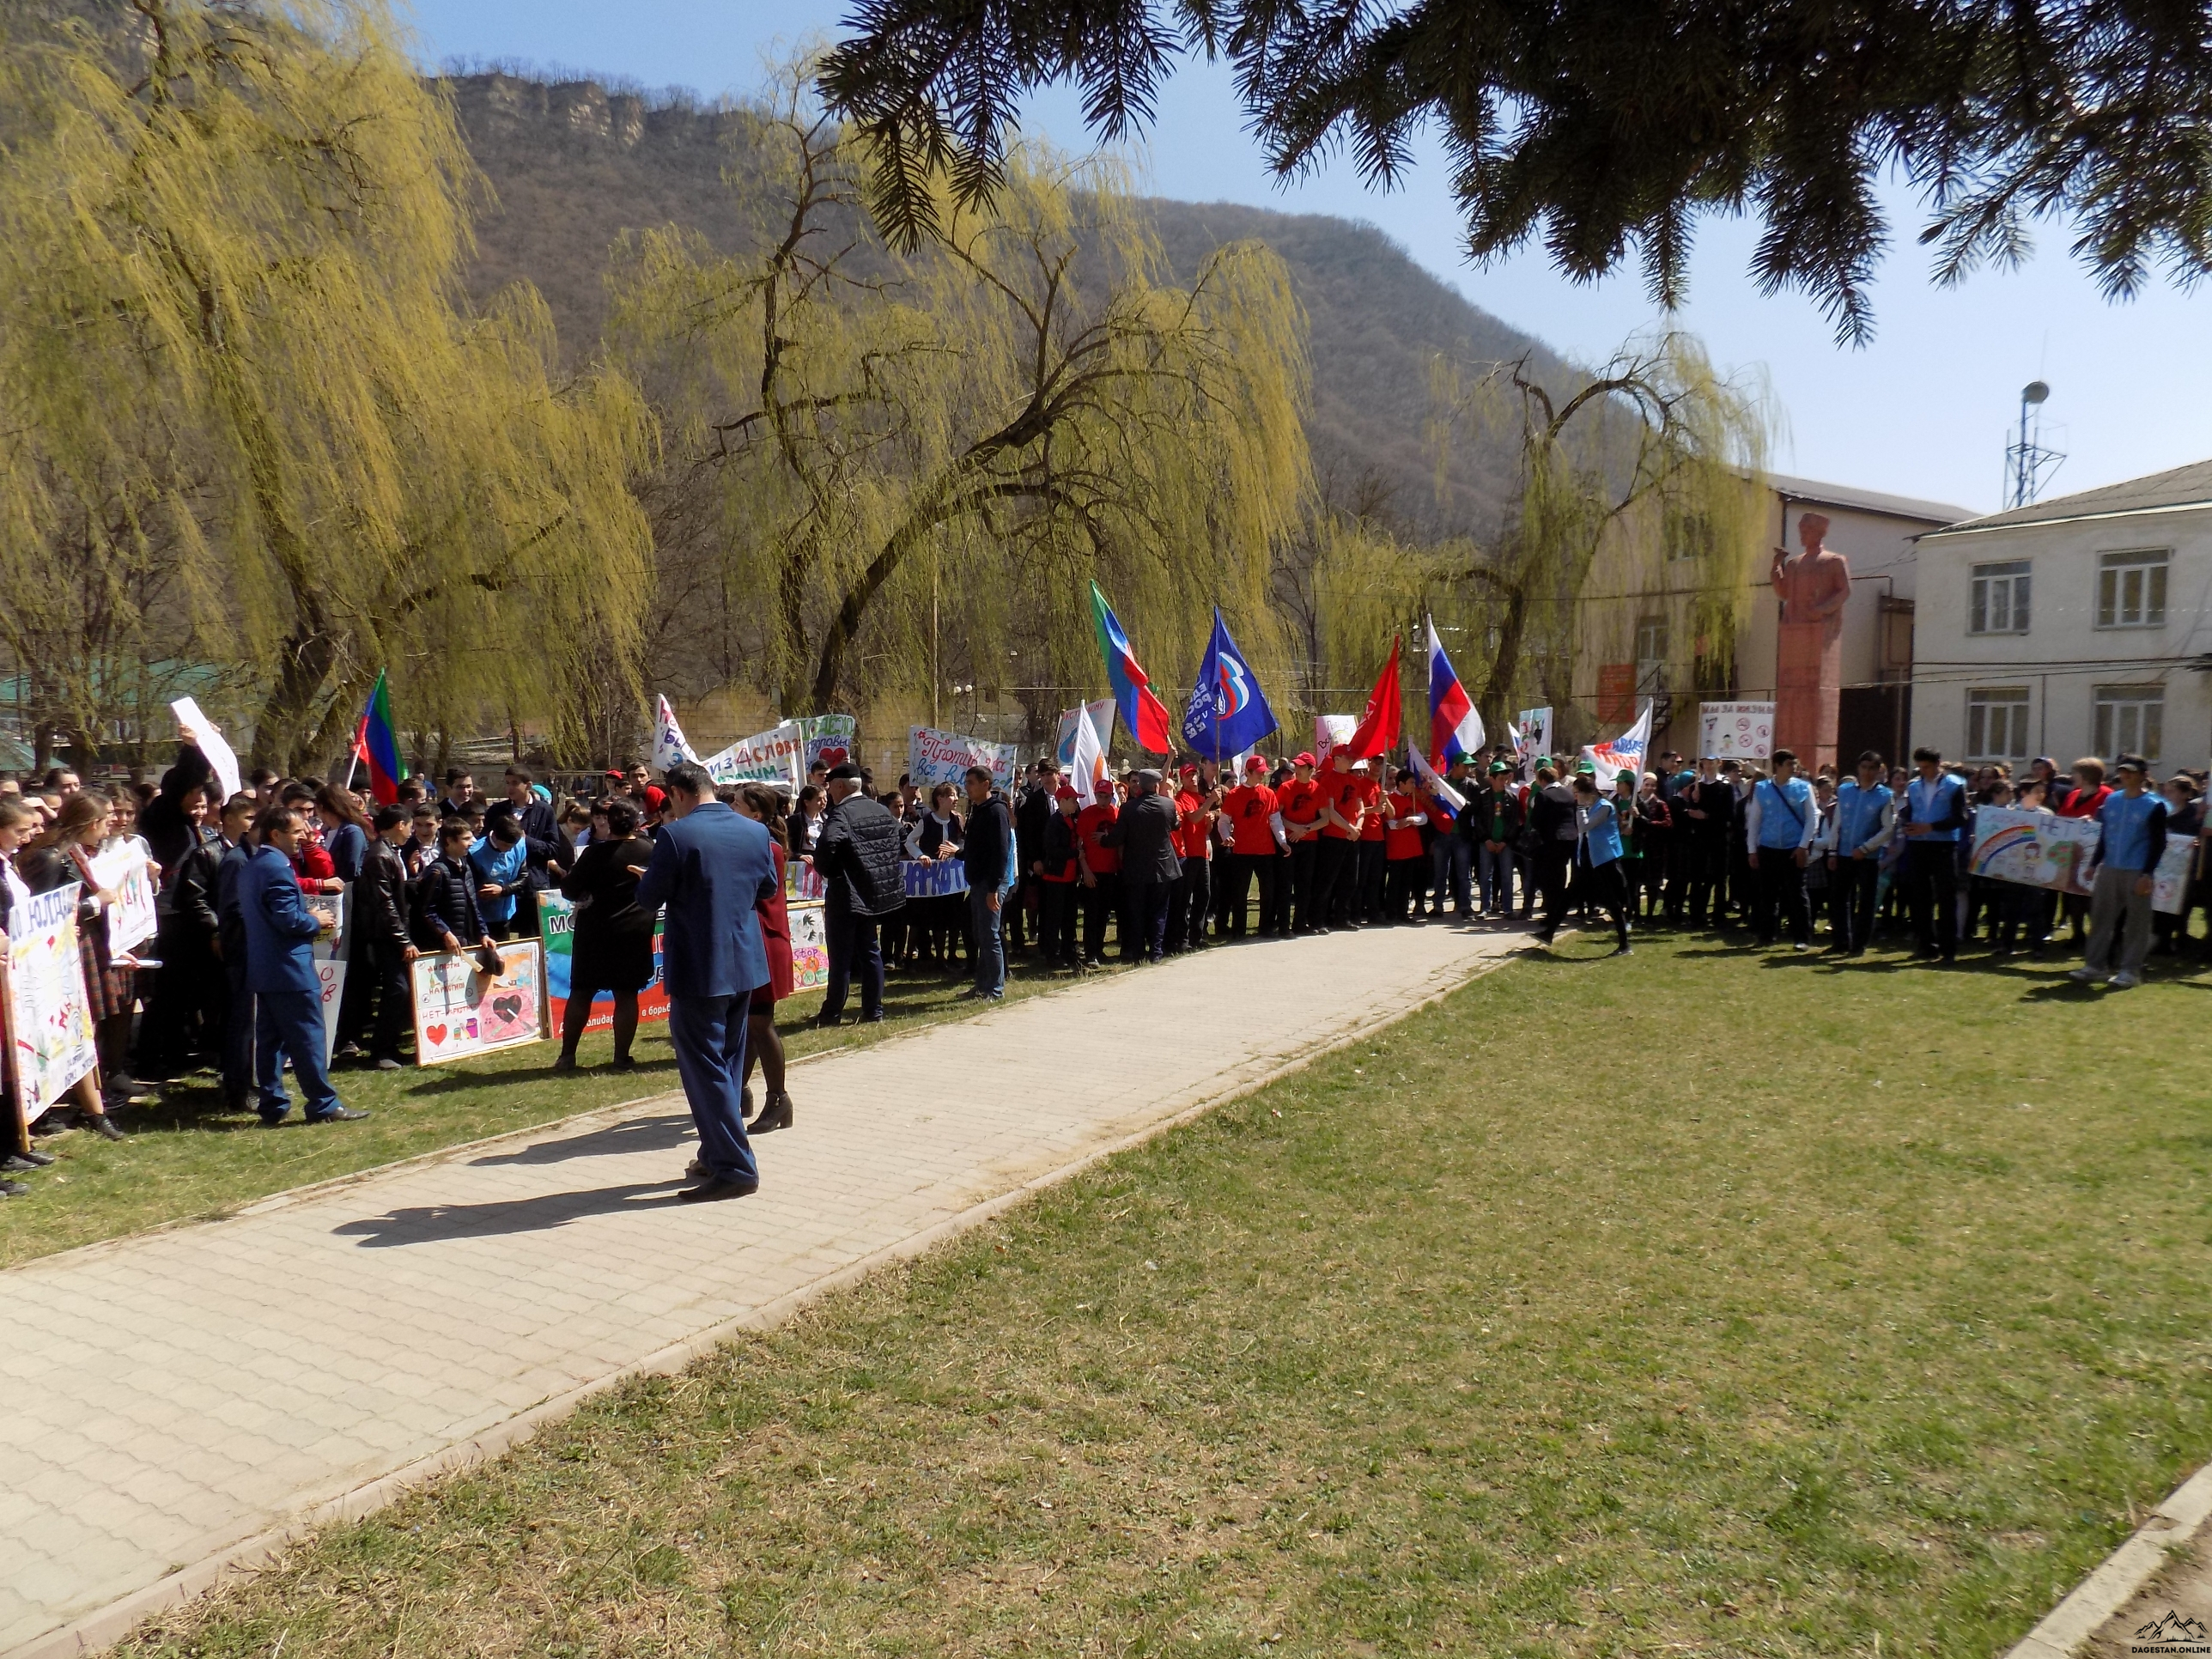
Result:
{"points": [[1382, 722]]}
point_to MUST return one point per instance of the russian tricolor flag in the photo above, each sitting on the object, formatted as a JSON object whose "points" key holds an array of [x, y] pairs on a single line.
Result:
{"points": [[1454, 729], [1142, 713]]}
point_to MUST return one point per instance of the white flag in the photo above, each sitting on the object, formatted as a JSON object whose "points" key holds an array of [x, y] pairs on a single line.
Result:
{"points": [[1086, 734], [1623, 754], [201, 732], [669, 746]]}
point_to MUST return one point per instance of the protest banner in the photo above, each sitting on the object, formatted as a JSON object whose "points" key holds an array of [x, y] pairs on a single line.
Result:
{"points": [[810, 948], [1330, 730], [933, 877], [49, 1019], [204, 735], [800, 883], [122, 870], [934, 757], [1738, 731], [330, 979], [557, 921], [461, 1011], [776, 755], [1535, 728], [828, 739], [2036, 849], [2169, 880], [331, 910]]}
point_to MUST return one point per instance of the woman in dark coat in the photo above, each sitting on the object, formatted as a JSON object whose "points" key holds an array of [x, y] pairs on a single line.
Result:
{"points": [[612, 947]]}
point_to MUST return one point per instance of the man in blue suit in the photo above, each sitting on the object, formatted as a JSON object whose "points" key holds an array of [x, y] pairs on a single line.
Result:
{"points": [[280, 973], [710, 865]]}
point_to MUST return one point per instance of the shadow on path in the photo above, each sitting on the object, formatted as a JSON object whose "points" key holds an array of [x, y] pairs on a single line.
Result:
{"points": [[433, 1222], [639, 1134]]}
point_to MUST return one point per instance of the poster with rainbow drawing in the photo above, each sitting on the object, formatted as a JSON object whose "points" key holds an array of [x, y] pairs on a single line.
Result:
{"points": [[2038, 849]]}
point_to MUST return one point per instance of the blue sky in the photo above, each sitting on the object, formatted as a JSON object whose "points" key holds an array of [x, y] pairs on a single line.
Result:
{"points": [[1924, 410]]}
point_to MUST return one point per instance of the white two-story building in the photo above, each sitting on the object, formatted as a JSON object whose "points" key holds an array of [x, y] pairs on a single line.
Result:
{"points": [[2078, 626]]}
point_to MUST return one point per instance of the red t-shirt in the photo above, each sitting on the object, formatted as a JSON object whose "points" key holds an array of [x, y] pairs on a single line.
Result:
{"points": [[1193, 836], [1350, 794], [1092, 823], [1401, 841], [1376, 825], [1247, 807], [1298, 801]]}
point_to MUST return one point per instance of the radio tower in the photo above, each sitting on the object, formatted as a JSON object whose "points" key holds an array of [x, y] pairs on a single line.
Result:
{"points": [[2027, 463]]}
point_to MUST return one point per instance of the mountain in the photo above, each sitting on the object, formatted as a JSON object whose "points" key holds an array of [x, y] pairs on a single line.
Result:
{"points": [[573, 164]]}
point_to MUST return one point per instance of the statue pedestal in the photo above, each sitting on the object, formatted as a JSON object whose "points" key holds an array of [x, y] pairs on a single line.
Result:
{"points": [[1808, 673]]}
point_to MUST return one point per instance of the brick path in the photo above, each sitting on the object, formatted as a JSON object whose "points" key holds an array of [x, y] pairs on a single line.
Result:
{"points": [[183, 1400]]}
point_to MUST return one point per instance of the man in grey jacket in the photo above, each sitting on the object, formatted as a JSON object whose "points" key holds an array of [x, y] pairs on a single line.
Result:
{"points": [[1145, 832], [858, 859]]}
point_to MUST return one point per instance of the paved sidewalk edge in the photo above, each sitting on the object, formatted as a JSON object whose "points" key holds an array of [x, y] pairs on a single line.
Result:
{"points": [[2067, 1628], [95, 1631]]}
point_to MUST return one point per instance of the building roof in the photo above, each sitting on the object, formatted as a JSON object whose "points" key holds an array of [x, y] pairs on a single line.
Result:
{"points": [[2181, 489], [1816, 494]]}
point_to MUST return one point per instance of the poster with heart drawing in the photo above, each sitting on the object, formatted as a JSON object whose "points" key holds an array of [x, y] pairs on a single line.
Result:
{"points": [[460, 1010]]}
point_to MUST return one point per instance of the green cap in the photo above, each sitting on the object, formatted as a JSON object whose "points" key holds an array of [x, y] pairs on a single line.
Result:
{"points": [[1499, 768], [1587, 766]]}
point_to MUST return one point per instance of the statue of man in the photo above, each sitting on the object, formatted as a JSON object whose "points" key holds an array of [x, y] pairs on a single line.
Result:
{"points": [[1815, 586]]}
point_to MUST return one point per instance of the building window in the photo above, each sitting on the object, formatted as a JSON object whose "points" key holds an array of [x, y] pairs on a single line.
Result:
{"points": [[1999, 602], [2132, 590], [1650, 651], [1996, 723], [2130, 719]]}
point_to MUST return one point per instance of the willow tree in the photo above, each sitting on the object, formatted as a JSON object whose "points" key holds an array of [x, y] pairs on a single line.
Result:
{"points": [[232, 238], [972, 429], [1654, 443]]}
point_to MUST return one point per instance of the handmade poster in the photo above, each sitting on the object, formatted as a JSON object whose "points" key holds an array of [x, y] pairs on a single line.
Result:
{"points": [[1535, 725], [1741, 731], [2036, 849], [556, 921], [49, 1020], [460, 1010], [934, 757], [1330, 730], [122, 870], [2169, 881], [829, 738], [204, 735], [810, 948], [776, 755], [930, 879], [800, 881], [331, 975], [330, 910]]}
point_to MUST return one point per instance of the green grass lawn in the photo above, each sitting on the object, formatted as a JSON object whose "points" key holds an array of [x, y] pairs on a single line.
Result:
{"points": [[189, 1159], [1703, 1303]]}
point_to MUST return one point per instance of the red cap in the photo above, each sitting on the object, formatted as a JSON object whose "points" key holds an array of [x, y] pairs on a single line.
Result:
{"points": [[1188, 770], [613, 774], [1064, 793], [1255, 764], [1304, 758]]}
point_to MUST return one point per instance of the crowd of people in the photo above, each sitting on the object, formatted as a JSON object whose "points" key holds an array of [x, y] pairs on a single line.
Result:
{"points": [[1151, 863]]}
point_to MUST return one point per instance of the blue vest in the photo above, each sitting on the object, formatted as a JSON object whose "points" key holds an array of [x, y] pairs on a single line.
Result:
{"points": [[1784, 810], [1930, 803], [2125, 844], [1600, 835], [1859, 814]]}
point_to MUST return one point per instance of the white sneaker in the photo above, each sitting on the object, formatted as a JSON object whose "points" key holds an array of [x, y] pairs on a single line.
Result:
{"points": [[2087, 976], [2125, 980]]}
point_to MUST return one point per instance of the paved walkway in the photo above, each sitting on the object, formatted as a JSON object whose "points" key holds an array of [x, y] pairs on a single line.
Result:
{"points": [[182, 1399]]}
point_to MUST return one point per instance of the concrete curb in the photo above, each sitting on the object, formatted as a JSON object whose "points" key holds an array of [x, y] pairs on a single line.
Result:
{"points": [[110, 1624], [2067, 1628]]}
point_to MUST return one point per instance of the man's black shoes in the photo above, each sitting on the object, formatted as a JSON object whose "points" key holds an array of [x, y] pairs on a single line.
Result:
{"points": [[707, 1192]]}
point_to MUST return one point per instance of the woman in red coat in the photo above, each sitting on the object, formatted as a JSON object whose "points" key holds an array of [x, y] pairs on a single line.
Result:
{"points": [[758, 802]]}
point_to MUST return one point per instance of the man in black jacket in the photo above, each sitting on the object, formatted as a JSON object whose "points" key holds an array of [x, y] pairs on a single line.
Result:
{"points": [[381, 945], [1556, 829], [1037, 807], [989, 857], [191, 1002], [1708, 815], [1145, 832], [858, 859], [446, 916]]}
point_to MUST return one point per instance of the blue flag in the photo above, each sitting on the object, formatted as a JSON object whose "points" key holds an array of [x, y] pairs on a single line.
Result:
{"points": [[1227, 713]]}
